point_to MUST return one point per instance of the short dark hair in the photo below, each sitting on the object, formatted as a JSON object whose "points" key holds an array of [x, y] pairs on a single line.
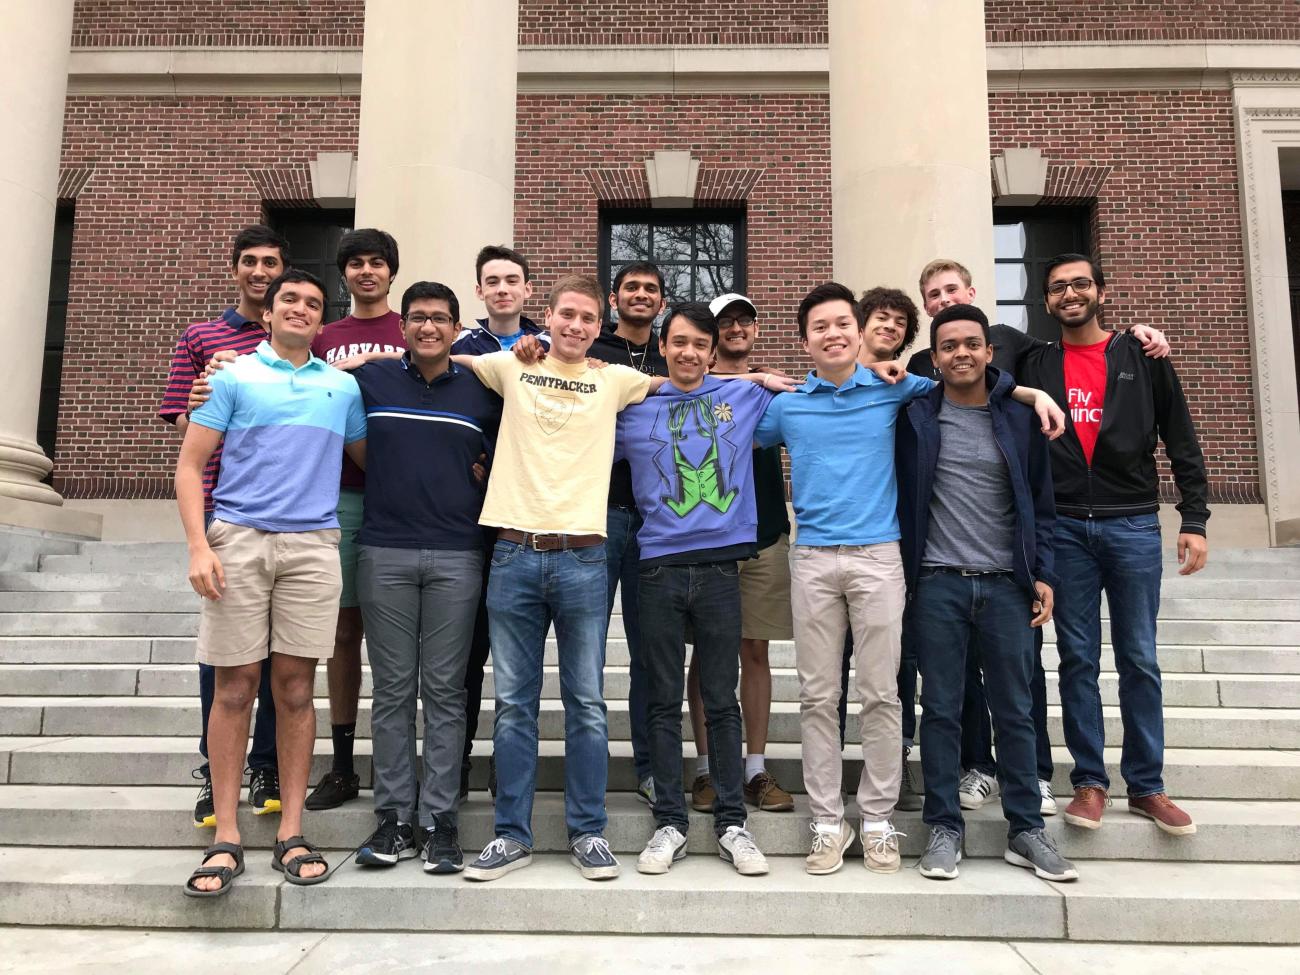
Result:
{"points": [[637, 267], [698, 314], [367, 240], [499, 252], [830, 291], [434, 291], [295, 275], [892, 299], [1097, 276], [258, 235], [959, 313]]}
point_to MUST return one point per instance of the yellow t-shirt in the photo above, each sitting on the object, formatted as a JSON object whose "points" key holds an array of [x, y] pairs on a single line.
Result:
{"points": [[556, 444]]}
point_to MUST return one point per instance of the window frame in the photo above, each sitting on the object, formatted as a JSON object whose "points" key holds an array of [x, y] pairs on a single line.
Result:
{"points": [[327, 220], [1077, 219]]}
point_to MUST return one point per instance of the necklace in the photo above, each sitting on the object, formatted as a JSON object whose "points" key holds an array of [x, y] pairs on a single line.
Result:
{"points": [[631, 356]]}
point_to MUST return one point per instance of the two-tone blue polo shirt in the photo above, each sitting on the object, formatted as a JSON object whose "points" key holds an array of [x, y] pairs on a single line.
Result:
{"points": [[423, 440], [285, 428], [841, 446]]}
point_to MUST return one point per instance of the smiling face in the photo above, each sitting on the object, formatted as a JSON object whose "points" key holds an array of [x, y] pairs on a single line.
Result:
{"points": [[833, 336], [256, 268], [368, 277], [503, 288], [1077, 305], [429, 330], [943, 289], [884, 333], [687, 350], [737, 331], [638, 300], [295, 315], [961, 354], [574, 323]]}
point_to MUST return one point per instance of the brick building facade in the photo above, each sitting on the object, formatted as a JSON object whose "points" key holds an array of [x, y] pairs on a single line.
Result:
{"points": [[159, 182]]}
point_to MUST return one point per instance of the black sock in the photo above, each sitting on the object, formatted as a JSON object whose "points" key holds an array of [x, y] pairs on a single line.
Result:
{"points": [[344, 736]]}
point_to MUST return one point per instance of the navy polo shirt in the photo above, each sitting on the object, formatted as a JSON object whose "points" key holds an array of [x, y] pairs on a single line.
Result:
{"points": [[422, 440]]}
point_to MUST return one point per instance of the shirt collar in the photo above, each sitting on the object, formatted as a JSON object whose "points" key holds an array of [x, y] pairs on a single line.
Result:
{"points": [[232, 317], [405, 360], [862, 376], [268, 356]]}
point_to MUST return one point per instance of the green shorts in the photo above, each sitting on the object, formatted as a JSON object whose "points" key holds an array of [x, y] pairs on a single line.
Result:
{"points": [[352, 505]]}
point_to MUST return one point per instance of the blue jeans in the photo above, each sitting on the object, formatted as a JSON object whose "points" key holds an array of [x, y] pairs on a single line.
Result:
{"points": [[708, 597], [262, 754], [977, 732], [622, 560], [527, 591], [947, 610], [1122, 557]]}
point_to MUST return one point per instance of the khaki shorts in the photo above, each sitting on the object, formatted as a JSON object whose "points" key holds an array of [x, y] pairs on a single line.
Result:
{"points": [[281, 595], [765, 594]]}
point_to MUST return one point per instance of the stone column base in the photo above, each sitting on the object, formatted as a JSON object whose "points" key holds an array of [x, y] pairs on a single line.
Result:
{"points": [[51, 518], [22, 466]]}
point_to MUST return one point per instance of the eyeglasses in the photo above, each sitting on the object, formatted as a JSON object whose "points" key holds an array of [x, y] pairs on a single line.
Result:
{"points": [[743, 322], [1080, 285], [418, 319]]}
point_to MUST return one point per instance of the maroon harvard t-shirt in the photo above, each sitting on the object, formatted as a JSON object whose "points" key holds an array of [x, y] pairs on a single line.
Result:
{"points": [[352, 336]]}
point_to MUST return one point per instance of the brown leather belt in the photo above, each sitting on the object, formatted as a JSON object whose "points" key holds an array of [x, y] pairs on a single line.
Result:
{"points": [[549, 543]]}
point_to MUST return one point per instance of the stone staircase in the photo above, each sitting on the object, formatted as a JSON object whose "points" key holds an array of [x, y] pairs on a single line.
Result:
{"points": [[99, 716]]}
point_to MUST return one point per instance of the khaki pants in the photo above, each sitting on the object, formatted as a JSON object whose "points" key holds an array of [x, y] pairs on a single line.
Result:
{"points": [[831, 589]]}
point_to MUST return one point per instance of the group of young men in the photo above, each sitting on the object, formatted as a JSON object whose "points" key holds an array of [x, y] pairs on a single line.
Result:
{"points": [[449, 489]]}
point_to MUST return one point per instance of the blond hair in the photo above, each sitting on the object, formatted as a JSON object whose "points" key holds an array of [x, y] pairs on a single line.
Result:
{"points": [[583, 284], [938, 266]]}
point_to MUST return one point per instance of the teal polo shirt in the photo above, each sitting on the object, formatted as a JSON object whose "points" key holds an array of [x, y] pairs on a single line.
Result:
{"points": [[841, 446]]}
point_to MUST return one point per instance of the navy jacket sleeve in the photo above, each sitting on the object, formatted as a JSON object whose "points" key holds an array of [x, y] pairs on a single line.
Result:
{"points": [[1040, 483], [1174, 421]]}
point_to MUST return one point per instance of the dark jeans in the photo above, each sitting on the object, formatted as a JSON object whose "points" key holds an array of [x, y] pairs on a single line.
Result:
{"points": [[262, 753], [1122, 557], [706, 596], [906, 688], [948, 609], [977, 731], [479, 648], [622, 560]]}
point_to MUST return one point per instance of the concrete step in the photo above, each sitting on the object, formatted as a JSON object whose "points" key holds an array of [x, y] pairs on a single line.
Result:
{"points": [[179, 716], [1190, 773], [182, 680], [154, 817], [1115, 900]]}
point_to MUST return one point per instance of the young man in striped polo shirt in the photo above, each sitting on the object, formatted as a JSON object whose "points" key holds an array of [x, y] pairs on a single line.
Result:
{"points": [[258, 255]]}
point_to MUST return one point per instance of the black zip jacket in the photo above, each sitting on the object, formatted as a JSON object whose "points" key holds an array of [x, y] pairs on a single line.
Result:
{"points": [[1144, 400], [1023, 446]]}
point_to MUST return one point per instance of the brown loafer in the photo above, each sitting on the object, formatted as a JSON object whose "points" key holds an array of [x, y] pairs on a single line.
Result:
{"points": [[763, 792], [1162, 810]]}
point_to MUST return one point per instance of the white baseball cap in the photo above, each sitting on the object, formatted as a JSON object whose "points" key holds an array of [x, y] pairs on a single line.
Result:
{"points": [[718, 304]]}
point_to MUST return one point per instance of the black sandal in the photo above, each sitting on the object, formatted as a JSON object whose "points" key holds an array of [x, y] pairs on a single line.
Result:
{"points": [[226, 874], [293, 869]]}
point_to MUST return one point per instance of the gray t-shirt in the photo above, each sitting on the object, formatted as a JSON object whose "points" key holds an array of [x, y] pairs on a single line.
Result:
{"points": [[972, 514]]}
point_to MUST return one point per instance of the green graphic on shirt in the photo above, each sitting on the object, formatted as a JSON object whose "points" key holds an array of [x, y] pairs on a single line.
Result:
{"points": [[702, 483]]}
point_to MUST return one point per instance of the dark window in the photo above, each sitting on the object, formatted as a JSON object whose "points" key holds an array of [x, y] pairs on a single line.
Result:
{"points": [[701, 252], [1024, 240], [56, 318], [313, 237]]}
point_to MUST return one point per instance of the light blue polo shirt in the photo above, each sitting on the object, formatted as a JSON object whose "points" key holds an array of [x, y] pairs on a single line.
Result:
{"points": [[284, 428], [841, 446]]}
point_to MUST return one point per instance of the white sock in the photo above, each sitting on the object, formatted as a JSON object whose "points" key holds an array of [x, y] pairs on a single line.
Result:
{"points": [[753, 765], [875, 827], [702, 765], [831, 828]]}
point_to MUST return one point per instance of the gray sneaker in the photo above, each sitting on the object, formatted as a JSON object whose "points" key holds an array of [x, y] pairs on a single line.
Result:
{"points": [[1035, 850], [591, 855], [909, 800], [645, 791], [942, 854], [498, 858]]}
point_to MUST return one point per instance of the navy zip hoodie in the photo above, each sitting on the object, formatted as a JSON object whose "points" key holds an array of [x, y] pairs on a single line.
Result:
{"points": [[1025, 449]]}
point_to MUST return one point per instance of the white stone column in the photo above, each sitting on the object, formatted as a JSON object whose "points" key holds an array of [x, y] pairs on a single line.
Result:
{"points": [[436, 152], [910, 142], [33, 84]]}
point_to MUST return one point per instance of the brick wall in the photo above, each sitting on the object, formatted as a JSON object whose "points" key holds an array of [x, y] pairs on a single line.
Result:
{"points": [[153, 225], [1168, 229], [548, 22], [1142, 20], [227, 23]]}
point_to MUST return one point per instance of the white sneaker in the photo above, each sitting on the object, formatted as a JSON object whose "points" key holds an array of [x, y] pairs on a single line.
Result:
{"points": [[738, 848], [1047, 807], [976, 788], [665, 848]]}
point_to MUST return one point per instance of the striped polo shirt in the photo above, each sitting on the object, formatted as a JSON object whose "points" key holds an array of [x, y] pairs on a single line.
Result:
{"points": [[284, 428], [194, 349], [421, 444]]}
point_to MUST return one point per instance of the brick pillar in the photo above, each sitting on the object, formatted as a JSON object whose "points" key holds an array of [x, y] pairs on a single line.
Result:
{"points": [[34, 79], [436, 151], [909, 142]]}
